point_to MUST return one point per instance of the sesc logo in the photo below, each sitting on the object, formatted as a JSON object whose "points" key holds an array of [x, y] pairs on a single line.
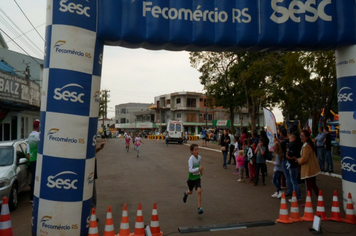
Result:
{"points": [[67, 6], [297, 9], [57, 182], [345, 95], [62, 94], [347, 166]]}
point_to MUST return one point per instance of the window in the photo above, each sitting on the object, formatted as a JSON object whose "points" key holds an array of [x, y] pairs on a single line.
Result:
{"points": [[205, 104], [191, 102], [168, 101], [171, 127], [210, 117], [178, 127], [122, 121], [178, 101], [123, 110], [6, 154], [191, 117], [19, 153], [179, 115]]}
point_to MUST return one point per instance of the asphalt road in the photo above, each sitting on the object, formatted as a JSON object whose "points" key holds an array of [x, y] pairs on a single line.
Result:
{"points": [[159, 176]]}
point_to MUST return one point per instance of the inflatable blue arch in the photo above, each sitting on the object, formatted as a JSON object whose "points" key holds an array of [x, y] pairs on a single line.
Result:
{"points": [[76, 32]]}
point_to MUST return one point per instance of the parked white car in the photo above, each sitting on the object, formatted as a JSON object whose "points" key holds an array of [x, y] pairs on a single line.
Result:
{"points": [[14, 173]]}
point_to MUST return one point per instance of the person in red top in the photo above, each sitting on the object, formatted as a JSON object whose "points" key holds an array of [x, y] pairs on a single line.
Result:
{"points": [[243, 136]]}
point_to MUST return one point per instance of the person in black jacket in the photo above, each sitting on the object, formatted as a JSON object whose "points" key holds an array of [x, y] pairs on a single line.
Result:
{"points": [[225, 143]]}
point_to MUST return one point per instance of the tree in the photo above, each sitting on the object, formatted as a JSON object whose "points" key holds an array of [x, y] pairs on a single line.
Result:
{"points": [[310, 83], [256, 73], [216, 79]]}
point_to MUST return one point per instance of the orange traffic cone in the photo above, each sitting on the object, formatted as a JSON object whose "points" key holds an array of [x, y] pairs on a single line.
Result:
{"points": [[335, 209], [124, 226], [139, 225], [320, 209], [154, 226], [283, 211], [294, 209], [109, 225], [349, 213], [93, 227], [5, 220], [308, 209]]}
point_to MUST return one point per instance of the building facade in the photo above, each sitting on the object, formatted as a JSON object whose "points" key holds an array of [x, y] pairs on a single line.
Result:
{"points": [[20, 86], [133, 117], [189, 107]]}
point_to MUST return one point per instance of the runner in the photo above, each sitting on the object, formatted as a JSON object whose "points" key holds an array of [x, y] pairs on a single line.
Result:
{"points": [[195, 171], [138, 142], [128, 139]]}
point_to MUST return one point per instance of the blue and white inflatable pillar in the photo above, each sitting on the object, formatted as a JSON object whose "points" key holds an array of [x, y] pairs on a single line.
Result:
{"points": [[346, 85], [69, 118]]}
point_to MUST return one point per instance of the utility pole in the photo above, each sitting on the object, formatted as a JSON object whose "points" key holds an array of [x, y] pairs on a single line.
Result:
{"points": [[105, 95]]}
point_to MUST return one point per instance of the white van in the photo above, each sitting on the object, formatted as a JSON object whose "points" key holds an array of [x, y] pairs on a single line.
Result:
{"points": [[176, 131]]}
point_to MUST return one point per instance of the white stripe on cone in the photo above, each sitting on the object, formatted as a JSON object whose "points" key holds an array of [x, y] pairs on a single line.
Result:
{"points": [[154, 224], [124, 226], [139, 225], [335, 209], [109, 228], [283, 212], [5, 225], [320, 209]]}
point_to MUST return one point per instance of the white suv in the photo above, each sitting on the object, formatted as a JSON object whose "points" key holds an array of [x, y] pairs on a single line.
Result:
{"points": [[14, 173]]}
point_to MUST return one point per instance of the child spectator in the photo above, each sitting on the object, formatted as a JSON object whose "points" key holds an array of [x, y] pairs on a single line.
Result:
{"points": [[240, 163], [278, 169]]}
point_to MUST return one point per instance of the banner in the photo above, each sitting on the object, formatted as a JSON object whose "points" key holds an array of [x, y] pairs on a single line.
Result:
{"points": [[221, 123], [224, 25], [271, 129]]}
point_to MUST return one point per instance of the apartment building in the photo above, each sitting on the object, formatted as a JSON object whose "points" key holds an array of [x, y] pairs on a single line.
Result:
{"points": [[192, 108]]}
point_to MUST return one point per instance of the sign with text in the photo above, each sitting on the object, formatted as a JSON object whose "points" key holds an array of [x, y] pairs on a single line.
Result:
{"points": [[17, 89], [227, 25]]}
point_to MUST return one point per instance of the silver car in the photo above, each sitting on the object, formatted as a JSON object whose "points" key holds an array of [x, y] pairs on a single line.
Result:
{"points": [[14, 173]]}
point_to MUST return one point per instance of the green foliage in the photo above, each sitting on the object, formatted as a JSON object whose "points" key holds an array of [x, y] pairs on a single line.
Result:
{"points": [[300, 83]]}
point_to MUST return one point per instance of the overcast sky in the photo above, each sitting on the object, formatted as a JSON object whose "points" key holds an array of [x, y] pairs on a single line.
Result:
{"points": [[131, 75]]}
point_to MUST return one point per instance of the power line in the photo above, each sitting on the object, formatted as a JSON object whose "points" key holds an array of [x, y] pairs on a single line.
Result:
{"points": [[29, 20], [39, 52], [20, 47]]}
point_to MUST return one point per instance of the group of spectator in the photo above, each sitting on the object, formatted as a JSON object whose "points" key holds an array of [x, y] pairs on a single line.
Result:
{"points": [[253, 150], [294, 157]]}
